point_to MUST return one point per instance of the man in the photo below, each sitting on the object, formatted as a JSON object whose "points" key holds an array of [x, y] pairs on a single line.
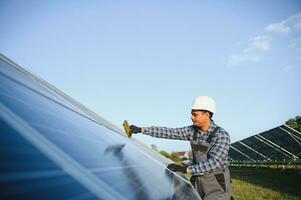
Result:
{"points": [[210, 145]]}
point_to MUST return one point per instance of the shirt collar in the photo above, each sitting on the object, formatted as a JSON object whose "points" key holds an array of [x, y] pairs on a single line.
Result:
{"points": [[211, 127]]}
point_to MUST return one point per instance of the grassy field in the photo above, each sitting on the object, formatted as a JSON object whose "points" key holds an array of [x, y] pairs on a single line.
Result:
{"points": [[251, 183]]}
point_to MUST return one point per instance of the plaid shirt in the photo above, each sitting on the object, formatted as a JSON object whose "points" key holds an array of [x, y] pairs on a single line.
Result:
{"points": [[217, 155]]}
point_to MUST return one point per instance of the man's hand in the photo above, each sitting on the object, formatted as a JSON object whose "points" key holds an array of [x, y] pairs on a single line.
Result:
{"points": [[131, 129], [134, 129], [177, 168]]}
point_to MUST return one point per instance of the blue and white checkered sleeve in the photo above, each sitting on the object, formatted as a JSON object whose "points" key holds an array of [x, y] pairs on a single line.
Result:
{"points": [[184, 133], [217, 155]]}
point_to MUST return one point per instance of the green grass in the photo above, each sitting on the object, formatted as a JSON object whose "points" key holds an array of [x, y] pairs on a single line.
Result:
{"points": [[247, 191], [261, 184], [265, 184], [270, 166]]}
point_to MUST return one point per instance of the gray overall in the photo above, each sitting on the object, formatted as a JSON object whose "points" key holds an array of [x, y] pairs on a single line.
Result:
{"points": [[215, 184]]}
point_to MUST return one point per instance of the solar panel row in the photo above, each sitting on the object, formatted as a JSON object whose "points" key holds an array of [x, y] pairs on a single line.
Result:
{"points": [[54, 148], [280, 144]]}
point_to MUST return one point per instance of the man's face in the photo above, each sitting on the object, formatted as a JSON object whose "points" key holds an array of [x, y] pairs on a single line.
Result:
{"points": [[199, 118]]}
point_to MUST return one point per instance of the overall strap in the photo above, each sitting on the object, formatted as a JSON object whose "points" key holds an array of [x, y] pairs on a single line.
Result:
{"points": [[209, 139], [194, 136]]}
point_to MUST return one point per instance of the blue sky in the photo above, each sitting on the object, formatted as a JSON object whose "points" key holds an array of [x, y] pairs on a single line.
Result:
{"points": [[145, 61]]}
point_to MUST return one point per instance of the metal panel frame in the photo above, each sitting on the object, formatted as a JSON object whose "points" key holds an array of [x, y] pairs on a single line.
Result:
{"points": [[280, 141]]}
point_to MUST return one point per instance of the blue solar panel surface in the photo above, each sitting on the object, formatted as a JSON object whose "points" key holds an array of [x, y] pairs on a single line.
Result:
{"points": [[28, 174], [280, 144], [122, 168]]}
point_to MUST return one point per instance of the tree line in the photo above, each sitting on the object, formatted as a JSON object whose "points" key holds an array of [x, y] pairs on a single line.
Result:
{"points": [[294, 123], [172, 156]]}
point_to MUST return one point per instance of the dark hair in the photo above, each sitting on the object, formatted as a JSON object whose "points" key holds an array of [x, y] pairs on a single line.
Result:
{"points": [[210, 113]]}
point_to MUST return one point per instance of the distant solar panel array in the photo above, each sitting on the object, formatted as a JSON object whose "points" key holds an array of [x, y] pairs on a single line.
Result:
{"points": [[280, 144]]}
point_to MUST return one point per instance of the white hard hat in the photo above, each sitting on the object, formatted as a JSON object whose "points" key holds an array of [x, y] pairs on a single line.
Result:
{"points": [[204, 103]]}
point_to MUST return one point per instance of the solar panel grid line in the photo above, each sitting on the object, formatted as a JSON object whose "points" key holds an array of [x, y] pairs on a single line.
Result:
{"points": [[292, 129], [41, 94], [140, 190], [112, 168], [143, 145], [273, 156], [242, 153], [140, 187], [80, 105], [47, 111], [56, 116], [135, 180], [152, 158], [83, 108], [143, 152], [88, 180], [33, 107], [296, 138], [293, 160], [179, 187], [86, 111], [33, 187], [26, 175], [236, 155], [31, 118], [156, 161], [64, 133], [246, 151], [173, 185], [295, 134], [253, 150], [284, 141], [279, 150], [31, 76], [150, 150], [258, 146], [277, 146]]}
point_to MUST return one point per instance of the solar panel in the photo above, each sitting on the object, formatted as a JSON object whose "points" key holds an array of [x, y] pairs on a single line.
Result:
{"points": [[265, 151], [30, 82], [51, 149], [22, 163], [283, 138], [276, 145]]}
